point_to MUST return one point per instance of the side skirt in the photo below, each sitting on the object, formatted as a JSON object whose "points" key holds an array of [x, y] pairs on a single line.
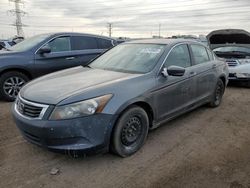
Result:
{"points": [[179, 113]]}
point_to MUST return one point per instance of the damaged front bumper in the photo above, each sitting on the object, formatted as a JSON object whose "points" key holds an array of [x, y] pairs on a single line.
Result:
{"points": [[85, 134], [239, 73]]}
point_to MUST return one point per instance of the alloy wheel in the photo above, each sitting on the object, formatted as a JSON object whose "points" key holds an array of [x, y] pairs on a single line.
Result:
{"points": [[12, 86]]}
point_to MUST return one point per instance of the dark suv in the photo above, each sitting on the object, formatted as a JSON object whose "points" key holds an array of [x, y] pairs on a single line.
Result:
{"points": [[46, 53]]}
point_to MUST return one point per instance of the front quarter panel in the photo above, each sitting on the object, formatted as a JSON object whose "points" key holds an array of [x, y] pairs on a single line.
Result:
{"points": [[124, 92], [22, 60], [222, 71]]}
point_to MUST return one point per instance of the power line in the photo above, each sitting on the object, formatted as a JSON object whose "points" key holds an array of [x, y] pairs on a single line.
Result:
{"points": [[127, 24], [162, 7], [135, 8]]}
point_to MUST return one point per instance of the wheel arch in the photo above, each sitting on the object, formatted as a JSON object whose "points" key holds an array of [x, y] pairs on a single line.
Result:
{"points": [[144, 105], [223, 78], [22, 70]]}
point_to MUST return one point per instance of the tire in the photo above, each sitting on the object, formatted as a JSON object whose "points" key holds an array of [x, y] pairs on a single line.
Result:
{"points": [[130, 132], [10, 84], [217, 95]]}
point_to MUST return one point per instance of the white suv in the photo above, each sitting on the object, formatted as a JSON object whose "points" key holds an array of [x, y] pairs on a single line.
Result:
{"points": [[233, 45]]}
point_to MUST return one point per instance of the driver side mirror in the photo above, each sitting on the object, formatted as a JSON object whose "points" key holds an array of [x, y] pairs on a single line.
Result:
{"points": [[44, 50], [173, 71]]}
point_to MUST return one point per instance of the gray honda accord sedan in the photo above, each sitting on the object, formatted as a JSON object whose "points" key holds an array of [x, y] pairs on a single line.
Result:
{"points": [[112, 103]]}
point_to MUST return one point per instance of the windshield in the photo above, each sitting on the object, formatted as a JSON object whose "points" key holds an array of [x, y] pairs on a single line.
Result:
{"points": [[232, 49], [131, 58], [29, 43]]}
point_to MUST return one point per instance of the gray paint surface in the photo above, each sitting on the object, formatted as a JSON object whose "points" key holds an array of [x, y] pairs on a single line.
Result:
{"points": [[167, 96]]}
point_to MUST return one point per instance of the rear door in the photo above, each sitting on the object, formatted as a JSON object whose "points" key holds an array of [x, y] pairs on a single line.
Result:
{"points": [[60, 57], [205, 70], [104, 43], [85, 48], [174, 93]]}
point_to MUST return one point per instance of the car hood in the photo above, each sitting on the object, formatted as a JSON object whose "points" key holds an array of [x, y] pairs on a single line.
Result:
{"points": [[228, 37], [55, 87], [5, 53]]}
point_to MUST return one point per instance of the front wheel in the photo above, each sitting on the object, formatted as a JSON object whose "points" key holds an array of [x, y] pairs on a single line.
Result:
{"points": [[130, 132], [11, 83], [218, 93]]}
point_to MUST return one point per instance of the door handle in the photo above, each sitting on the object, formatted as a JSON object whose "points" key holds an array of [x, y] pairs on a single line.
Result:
{"points": [[70, 58], [192, 73]]}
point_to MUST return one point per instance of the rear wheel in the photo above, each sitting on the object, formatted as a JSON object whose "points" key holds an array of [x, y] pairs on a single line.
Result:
{"points": [[11, 83], [130, 132], [218, 93]]}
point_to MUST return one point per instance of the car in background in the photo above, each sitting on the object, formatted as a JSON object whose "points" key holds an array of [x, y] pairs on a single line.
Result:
{"points": [[233, 45], [5, 44], [118, 97], [17, 39], [46, 53]]}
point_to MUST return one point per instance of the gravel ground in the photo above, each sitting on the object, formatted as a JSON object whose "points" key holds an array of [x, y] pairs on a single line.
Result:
{"points": [[204, 148]]}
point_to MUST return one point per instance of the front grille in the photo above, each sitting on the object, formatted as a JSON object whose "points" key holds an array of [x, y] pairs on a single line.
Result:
{"points": [[232, 75], [30, 109], [232, 63]]}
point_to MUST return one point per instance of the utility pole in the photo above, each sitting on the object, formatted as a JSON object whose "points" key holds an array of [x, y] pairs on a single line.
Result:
{"points": [[110, 27], [18, 13]]}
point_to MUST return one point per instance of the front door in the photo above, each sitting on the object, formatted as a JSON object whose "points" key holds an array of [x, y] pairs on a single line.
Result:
{"points": [[174, 93], [60, 57]]}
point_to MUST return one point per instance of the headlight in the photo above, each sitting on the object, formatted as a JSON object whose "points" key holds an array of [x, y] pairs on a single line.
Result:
{"points": [[244, 61], [243, 75], [79, 109]]}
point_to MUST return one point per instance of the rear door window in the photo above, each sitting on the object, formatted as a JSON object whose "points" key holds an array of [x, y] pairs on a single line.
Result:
{"points": [[60, 44], [179, 56], [199, 53], [84, 43], [104, 43]]}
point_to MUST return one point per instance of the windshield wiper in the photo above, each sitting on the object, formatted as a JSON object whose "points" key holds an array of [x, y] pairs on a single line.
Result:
{"points": [[232, 52], [240, 52], [87, 66]]}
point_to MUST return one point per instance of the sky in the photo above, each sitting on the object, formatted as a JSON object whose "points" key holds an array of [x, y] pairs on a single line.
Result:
{"points": [[129, 18]]}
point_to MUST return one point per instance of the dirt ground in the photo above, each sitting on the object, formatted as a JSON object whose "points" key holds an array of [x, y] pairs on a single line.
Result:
{"points": [[204, 148]]}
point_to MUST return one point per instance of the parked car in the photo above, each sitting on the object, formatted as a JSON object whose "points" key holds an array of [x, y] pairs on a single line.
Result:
{"points": [[46, 53], [6, 44], [234, 46], [17, 39], [112, 103]]}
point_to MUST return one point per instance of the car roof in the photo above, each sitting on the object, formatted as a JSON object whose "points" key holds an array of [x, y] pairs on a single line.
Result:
{"points": [[162, 41], [79, 34]]}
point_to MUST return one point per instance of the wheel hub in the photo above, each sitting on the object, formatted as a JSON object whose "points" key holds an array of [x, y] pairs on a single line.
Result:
{"points": [[218, 94], [131, 131]]}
